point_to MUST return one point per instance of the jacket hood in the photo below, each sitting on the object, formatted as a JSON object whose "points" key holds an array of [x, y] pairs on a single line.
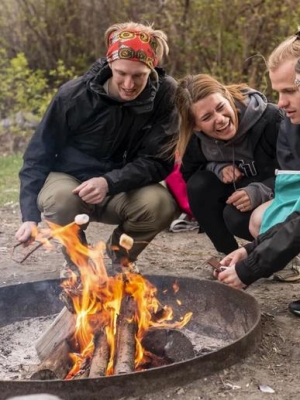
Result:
{"points": [[100, 72], [250, 112]]}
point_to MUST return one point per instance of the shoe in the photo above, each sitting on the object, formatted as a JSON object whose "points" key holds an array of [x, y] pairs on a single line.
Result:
{"points": [[294, 307], [184, 223], [291, 273]]}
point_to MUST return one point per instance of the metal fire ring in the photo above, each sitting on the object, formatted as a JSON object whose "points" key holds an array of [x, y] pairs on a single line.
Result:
{"points": [[218, 310]]}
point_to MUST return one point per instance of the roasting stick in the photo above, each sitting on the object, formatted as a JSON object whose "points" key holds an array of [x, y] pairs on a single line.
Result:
{"points": [[80, 219]]}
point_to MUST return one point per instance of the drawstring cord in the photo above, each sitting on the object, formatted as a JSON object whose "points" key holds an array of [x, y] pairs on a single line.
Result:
{"points": [[233, 164]]}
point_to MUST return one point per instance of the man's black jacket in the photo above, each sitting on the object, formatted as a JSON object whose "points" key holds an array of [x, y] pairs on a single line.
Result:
{"points": [[86, 133]]}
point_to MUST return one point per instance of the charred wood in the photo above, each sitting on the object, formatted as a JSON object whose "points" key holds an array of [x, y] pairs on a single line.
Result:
{"points": [[170, 344]]}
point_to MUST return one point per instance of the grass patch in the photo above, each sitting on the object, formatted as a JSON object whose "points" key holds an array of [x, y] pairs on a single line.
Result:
{"points": [[9, 179]]}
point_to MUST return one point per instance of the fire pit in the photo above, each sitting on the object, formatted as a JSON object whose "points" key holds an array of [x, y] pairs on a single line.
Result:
{"points": [[223, 314]]}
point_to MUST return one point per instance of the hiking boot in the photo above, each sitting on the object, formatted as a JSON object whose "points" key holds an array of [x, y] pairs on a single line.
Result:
{"points": [[294, 307]]}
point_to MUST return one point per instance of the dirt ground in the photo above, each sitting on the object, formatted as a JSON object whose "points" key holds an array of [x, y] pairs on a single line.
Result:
{"points": [[275, 363]]}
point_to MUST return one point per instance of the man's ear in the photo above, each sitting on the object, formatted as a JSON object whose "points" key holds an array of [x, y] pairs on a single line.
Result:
{"points": [[154, 75]]}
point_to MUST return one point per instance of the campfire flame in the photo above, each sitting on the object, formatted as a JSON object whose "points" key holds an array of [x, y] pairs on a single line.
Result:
{"points": [[97, 300]]}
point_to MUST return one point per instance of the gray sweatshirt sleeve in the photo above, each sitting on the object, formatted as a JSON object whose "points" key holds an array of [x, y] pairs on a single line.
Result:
{"points": [[216, 168], [258, 193]]}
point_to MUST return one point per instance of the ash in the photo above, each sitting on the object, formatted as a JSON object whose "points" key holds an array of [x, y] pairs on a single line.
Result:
{"points": [[18, 357], [203, 344]]}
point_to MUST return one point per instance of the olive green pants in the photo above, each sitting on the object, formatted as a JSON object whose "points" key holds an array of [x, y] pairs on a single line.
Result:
{"points": [[140, 213]]}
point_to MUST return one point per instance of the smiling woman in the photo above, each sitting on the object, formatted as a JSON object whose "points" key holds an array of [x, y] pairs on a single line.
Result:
{"points": [[227, 140]]}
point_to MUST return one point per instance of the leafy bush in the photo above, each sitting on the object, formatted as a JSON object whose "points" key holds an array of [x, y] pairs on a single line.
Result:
{"points": [[27, 90], [21, 87]]}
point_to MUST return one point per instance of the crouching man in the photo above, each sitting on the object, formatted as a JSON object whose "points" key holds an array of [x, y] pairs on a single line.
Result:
{"points": [[99, 148]]}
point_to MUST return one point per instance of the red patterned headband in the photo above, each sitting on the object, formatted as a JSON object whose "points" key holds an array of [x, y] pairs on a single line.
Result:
{"points": [[134, 46]]}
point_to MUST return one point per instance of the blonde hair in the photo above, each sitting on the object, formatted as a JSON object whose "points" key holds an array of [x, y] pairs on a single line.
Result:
{"points": [[160, 36], [287, 50], [193, 88]]}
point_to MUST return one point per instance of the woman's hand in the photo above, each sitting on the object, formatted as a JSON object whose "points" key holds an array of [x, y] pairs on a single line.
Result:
{"points": [[240, 200], [230, 174]]}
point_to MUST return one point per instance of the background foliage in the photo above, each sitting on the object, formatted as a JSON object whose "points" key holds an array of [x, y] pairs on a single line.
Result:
{"points": [[46, 42]]}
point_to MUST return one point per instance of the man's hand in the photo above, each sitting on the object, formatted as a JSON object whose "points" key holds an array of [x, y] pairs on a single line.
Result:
{"points": [[230, 174], [235, 256], [230, 277], [24, 232], [240, 200], [92, 191]]}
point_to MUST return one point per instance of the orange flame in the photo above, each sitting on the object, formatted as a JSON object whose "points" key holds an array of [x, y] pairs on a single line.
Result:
{"points": [[97, 299]]}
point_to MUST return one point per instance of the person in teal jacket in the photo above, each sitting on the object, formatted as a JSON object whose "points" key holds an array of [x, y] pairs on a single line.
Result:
{"points": [[274, 249]]}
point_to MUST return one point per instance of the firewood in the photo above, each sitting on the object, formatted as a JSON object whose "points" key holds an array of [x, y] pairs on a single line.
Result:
{"points": [[126, 331], [82, 374], [100, 356], [56, 366], [63, 327], [171, 344], [84, 370]]}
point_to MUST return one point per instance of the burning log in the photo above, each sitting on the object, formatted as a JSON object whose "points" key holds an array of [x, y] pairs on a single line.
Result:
{"points": [[126, 331], [62, 328], [83, 372], [100, 356], [171, 344], [56, 366]]}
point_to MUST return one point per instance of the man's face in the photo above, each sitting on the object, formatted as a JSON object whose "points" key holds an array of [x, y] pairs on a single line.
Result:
{"points": [[283, 81], [129, 79]]}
